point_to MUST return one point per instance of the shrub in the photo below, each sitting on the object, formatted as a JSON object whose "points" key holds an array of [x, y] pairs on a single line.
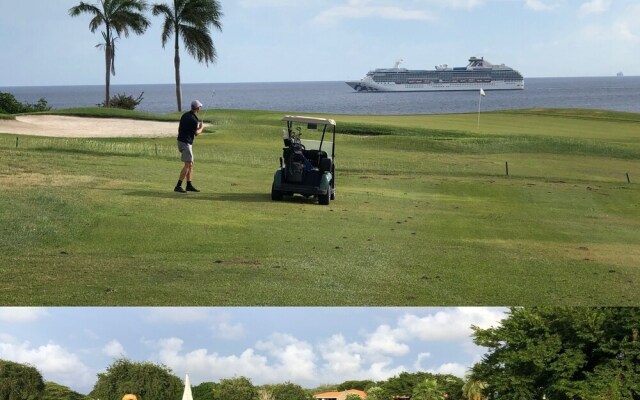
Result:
{"points": [[123, 101], [9, 105]]}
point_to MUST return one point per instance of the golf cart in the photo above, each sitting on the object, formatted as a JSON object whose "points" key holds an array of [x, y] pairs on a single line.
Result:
{"points": [[306, 168]]}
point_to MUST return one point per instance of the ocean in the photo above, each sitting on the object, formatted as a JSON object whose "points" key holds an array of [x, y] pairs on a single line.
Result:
{"points": [[606, 93]]}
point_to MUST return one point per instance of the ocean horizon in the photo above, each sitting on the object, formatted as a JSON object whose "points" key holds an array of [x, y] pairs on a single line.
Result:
{"points": [[336, 97]]}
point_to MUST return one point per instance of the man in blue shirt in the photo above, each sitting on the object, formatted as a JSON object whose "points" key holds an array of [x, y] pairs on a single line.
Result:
{"points": [[190, 127]]}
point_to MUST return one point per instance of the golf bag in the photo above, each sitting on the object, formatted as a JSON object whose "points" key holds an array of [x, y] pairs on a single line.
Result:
{"points": [[295, 164]]}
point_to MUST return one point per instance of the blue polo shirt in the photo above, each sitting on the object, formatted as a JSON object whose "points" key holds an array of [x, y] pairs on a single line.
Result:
{"points": [[188, 127]]}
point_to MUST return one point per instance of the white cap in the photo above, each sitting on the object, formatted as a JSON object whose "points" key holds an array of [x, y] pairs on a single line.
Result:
{"points": [[195, 104]]}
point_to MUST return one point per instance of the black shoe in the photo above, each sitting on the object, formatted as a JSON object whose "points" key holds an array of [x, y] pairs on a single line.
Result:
{"points": [[191, 188], [179, 189]]}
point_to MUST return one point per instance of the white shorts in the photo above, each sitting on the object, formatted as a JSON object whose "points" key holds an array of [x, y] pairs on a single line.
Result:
{"points": [[186, 151]]}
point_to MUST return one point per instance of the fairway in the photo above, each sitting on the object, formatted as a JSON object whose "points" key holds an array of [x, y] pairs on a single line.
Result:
{"points": [[425, 214]]}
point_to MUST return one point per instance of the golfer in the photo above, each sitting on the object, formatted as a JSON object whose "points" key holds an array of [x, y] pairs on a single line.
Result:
{"points": [[190, 127]]}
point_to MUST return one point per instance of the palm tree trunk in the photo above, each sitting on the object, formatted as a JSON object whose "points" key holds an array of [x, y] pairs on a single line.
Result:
{"points": [[176, 62], [107, 56]]}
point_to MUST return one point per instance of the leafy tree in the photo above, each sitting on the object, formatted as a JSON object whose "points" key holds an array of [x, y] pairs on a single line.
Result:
{"points": [[377, 393], [427, 390], [403, 384], [9, 105], [265, 392], [54, 391], [20, 382], [204, 391], [190, 20], [239, 388], [450, 385], [288, 391], [360, 385], [144, 379], [562, 353], [118, 17], [352, 396]]}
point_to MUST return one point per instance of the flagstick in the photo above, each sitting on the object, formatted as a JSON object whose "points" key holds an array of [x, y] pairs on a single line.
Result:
{"points": [[479, 101]]}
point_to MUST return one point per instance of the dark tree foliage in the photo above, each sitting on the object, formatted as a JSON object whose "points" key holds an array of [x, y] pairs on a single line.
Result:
{"points": [[239, 388], [54, 391], [20, 382], [562, 354], [289, 391], [360, 385], [404, 384], [146, 380], [204, 391], [9, 105]]}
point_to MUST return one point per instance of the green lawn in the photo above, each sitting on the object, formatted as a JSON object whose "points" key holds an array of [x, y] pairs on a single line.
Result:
{"points": [[424, 215]]}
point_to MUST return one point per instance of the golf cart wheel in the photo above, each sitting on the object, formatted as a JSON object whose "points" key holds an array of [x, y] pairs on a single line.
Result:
{"points": [[276, 195], [324, 199], [333, 195]]}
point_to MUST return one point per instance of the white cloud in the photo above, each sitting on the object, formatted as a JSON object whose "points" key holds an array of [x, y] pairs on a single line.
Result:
{"points": [[54, 362], [270, 3], [363, 9], [455, 369], [448, 325], [290, 358], [418, 364], [340, 357], [624, 29], [177, 315], [539, 5], [114, 349], [21, 314], [386, 341], [226, 330], [456, 4], [594, 7]]}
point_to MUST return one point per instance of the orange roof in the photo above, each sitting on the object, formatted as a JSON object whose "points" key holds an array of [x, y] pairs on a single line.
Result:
{"points": [[335, 395]]}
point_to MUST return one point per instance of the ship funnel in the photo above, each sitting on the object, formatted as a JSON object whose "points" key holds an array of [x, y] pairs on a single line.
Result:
{"points": [[397, 64]]}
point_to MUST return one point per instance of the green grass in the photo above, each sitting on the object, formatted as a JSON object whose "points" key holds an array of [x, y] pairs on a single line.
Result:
{"points": [[424, 215]]}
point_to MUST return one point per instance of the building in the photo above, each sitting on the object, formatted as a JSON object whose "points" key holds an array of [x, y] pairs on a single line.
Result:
{"points": [[339, 395]]}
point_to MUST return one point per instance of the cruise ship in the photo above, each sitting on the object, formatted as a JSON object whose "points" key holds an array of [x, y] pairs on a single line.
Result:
{"points": [[478, 74]]}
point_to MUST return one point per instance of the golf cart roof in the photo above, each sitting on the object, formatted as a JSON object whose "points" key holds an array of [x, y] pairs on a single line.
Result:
{"points": [[308, 120]]}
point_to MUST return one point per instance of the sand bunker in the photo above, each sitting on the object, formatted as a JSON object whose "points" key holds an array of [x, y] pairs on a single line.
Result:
{"points": [[60, 126]]}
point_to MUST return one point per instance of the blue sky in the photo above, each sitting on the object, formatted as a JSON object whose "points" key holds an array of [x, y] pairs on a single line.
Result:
{"points": [[332, 40], [308, 346]]}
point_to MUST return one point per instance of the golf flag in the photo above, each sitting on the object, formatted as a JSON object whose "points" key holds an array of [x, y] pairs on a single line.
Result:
{"points": [[187, 389], [482, 92]]}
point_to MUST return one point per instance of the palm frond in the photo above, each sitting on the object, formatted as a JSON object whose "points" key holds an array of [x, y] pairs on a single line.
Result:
{"points": [[198, 43]]}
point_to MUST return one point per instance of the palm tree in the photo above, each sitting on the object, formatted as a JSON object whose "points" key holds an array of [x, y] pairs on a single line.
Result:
{"points": [[472, 389], [118, 17], [190, 20]]}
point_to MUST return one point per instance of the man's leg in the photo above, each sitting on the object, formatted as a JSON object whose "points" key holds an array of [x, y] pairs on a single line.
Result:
{"points": [[190, 187], [184, 173]]}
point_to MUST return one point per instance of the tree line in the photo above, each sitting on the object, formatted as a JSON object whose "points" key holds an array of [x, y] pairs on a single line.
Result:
{"points": [[551, 353], [188, 21]]}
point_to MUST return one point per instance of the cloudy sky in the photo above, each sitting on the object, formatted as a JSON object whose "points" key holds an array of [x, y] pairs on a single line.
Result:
{"points": [[308, 346], [331, 40]]}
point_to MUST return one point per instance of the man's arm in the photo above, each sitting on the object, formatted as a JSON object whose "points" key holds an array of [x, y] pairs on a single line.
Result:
{"points": [[200, 129]]}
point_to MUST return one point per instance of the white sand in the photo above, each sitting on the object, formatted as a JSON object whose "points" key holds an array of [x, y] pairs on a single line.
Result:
{"points": [[60, 126]]}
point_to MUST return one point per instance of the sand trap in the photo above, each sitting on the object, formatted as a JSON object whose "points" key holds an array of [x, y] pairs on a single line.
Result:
{"points": [[60, 126]]}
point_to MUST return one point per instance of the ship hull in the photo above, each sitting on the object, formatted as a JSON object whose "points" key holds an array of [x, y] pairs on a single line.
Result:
{"points": [[370, 86]]}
